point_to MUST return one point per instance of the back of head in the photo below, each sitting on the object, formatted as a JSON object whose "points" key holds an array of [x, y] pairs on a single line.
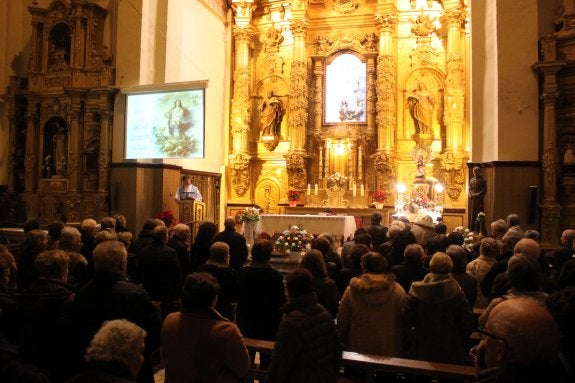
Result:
{"points": [[199, 291], [181, 230], [440, 264], [498, 227], [70, 239], [394, 228], [220, 252], [458, 257], [31, 224], [532, 234], [120, 220], [489, 248], [52, 264], [513, 220], [55, 229], [230, 223], [160, 234], [262, 250], [149, 224], [358, 231], [364, 239], [314, 262], [529, 332], [376, 218], [108, 223], [35, 240], [355, 254], [440, 228], [299, 282], [374, 263], [524, 273], [322, 244], [89, 226], [413, 254], [456, 238], [125, 237], [110, 256], [527, 246], [105, 235], [118, 340], [206, 231]]}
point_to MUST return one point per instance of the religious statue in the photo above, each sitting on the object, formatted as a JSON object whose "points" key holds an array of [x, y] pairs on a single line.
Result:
{"points": [[421, 104], [176, 119], [420, 169], [272, 112], [477, 191], [59, 143]]}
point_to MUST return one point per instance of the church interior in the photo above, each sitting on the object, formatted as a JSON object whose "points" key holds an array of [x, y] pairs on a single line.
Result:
{"points": [[294, 106]]}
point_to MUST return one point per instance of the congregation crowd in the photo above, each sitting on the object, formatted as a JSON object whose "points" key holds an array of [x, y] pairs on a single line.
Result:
{"points": [[95, 303]]}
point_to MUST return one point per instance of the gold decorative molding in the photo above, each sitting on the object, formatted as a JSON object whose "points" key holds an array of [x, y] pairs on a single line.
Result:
{"points": [[386, 22], [295, 166], [345, 7], [241, 105], [453, 174], [384, 166], [240, 173]]}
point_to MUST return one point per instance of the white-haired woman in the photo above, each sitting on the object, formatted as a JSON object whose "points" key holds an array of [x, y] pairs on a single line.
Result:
{"points": [[114, 355]]}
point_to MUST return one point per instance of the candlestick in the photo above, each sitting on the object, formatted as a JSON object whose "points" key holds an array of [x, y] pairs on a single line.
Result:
{"points": [[315, 189], [354, 189], [362, 190], [308, 189]]}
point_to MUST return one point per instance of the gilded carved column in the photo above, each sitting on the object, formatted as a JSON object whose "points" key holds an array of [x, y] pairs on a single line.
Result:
{"points": [[12, 154], [371, 95], [241, 106], [386, 89], [31, 157], [105, 151], [298, 104], [73, 146], [452, 160]]}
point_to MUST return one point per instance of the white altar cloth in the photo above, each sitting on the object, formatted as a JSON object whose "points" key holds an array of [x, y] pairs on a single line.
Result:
{"points": [[313, 224]]}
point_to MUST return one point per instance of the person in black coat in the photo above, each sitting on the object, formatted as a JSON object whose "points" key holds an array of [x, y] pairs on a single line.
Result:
{"points": [[261, 294], [236, 242], [159, 271], [411, 269], [179, 242], [219, 266], [45, 316], [110, 296], [377, 231], [200, 251]]}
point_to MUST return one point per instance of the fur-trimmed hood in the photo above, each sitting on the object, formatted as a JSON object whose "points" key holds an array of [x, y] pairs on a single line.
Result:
{"points": [[372, 288], [435, 288]]}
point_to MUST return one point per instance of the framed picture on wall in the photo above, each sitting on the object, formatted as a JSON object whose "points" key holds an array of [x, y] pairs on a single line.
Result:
{"points": [[165, 121]]}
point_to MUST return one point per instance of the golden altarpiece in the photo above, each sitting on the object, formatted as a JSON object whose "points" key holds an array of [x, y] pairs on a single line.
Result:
{"points": [[338, 99], [60, 116]]}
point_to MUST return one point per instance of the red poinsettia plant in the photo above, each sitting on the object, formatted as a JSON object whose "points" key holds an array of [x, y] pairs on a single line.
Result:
{"points": [[293, 195], [378, 196], [168, 218]]}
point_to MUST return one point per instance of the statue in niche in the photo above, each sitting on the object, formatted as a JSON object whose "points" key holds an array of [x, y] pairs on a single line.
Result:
{"points": [[420, 169], [477, 191], [59, 149], [421, 104], [272, 112]]}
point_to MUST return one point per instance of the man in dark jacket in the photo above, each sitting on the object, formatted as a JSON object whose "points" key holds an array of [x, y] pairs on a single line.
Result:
{"points": [[307, 348], [236, 242], [44, 313], [110, 296], [160, 272], [377, 231], [179, 242]]}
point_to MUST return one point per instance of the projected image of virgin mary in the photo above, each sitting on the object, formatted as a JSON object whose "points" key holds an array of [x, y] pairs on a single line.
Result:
{"points": [[178, 119]]}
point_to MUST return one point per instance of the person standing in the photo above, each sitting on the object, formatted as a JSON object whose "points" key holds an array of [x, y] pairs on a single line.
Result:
{"points": [[236, 242], [198, 343], [187, 190], [477, 191]]}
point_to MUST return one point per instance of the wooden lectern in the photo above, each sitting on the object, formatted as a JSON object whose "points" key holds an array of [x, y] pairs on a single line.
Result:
{"points": [[192, 212]]}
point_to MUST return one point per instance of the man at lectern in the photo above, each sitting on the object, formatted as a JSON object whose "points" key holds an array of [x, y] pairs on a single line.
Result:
{"points": [[187, 190]]}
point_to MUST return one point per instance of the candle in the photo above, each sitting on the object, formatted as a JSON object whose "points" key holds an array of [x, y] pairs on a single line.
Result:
{"points": [[315, 189], [354, 189], [308, 189], [362, 190]]}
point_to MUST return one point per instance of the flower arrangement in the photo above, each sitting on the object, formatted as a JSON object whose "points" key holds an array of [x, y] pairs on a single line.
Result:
{"points": [[337, 181], [420, 200], [378, 196], [293, 239], [168, 218], [293, 195], [248, 214]]}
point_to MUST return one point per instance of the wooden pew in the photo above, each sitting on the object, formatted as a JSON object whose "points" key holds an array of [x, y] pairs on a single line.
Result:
{"points": [[374, 363]]}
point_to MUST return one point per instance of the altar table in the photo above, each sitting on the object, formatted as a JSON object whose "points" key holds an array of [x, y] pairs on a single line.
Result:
{"points": [[313, 224]]}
